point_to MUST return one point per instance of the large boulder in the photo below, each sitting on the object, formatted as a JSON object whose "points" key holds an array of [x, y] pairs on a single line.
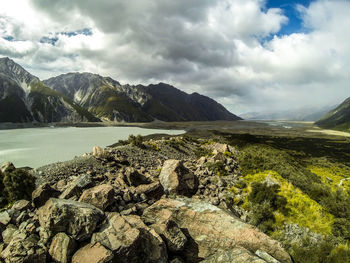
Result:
{"points": [[76, 219], [43, 193], [209, 229], [130, 240], [236, 255], [75, 188], [93, 253], [62, 248], [100, 196], [23, 248], [177, 179]]}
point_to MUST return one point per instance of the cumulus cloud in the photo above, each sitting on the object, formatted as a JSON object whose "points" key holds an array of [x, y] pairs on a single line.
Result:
{"points": [[227, 49]]}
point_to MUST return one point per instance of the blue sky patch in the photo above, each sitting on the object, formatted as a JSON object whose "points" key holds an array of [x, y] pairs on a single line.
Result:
{"points": [[295, 24]]}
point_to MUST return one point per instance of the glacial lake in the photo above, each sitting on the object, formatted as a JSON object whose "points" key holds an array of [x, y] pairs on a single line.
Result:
{"points": [[35, 147]]}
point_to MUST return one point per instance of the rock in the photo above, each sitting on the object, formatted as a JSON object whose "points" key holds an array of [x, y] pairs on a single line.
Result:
{"points": [[176, 179], [209, 229], [201, 161], [93, 253], [76, 219], [177, 260], [270, 181], [8, 166], [62, 248], [98, 152], [236, 255], [21, 205], [153, 190], [43, 193], [134, 178], [75, 188], [130, 240], [265, 256], [4, 218], [61, 184], [7, 235], [173, 236], [100, 196], [24, 249]]}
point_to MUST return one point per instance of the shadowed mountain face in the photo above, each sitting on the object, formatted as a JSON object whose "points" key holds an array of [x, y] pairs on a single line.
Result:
{"points": [[24, 98], [339, 118], [109, 100], [78, 97]]}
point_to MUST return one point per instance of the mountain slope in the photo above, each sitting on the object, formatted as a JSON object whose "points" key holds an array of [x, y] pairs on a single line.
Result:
{"points": [[338, 119], [24, 98], [184, 107], [104, 97], [110, 100]]}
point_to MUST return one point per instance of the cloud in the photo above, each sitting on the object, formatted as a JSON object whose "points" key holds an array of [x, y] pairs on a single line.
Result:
{"points": [[227, 49]]}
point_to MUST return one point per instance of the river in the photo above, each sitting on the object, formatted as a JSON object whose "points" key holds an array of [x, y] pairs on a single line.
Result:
{"points": [[35, 147]]}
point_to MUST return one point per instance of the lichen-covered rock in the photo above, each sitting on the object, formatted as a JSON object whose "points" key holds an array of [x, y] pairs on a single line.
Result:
{"points": [[130, 240], [172, 235], [92, 253], [8, 233], [100, 196], [210, 229], [21, 205], [62, 248], [236, 255], [75, 188], [5, 218], [76, 219], [24, 249], [98, 152], [43, 193], [177, 179], [153, 190]]}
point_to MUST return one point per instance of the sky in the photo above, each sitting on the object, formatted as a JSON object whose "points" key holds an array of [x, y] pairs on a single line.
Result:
{"points": [[249, 55]]}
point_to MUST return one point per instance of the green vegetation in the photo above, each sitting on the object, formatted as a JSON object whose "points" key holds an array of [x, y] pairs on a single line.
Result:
{"points": [[202, 151], [297, 181], [217, 168], [114, 104], [15, 184]]}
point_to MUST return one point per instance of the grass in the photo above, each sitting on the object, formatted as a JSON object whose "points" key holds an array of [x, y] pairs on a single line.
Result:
{"points": [[302, 209]]}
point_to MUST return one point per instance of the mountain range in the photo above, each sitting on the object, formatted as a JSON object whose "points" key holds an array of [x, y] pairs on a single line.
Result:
{"points": [[82, 97], [338, 118], [301, 114]]}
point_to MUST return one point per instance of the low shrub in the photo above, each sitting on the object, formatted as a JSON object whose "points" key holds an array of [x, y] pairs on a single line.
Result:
{"points": [[17, 184]]}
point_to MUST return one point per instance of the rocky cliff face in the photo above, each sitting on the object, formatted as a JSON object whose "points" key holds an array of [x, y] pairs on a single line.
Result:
{"points": [[109, 100], [24, 98], [156, 202], [339, 118]]}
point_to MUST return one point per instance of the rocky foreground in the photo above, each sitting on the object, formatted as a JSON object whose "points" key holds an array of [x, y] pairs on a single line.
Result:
{"points": [[155, 202]]}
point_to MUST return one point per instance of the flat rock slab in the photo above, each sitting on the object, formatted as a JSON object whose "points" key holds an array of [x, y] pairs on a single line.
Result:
{"points": [[210, 229]]}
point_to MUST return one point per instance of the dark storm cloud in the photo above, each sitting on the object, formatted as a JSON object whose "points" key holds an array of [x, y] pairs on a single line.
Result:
{"points": [[213, 47]]}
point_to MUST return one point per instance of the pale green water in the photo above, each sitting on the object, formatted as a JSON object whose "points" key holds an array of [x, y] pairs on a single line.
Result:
{"points": [[35, 147]]}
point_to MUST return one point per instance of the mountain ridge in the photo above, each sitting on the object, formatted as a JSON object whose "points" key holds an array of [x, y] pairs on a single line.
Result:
{"points": [[338, 118], [32, 100], [111, 101]]}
